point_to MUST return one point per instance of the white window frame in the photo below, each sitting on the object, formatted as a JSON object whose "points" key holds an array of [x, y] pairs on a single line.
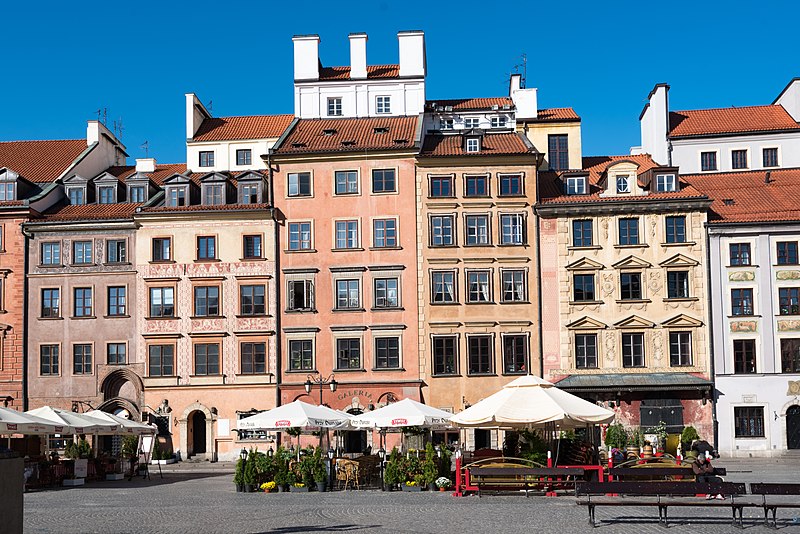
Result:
{"points": [[446, 124], [516, 235], [296, 176], [473, 144], [334, 106], [383, 104], [499, 121], [666, 183], [472, 122], [623, 183], [300, 234], [352, 234], [700, 160], [576, 185], [352, 182]]}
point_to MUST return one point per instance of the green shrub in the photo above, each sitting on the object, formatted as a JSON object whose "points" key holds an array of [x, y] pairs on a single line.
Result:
{"points": [[392, 474], [616, 436], [689, 434], [250, 469], [238, 472], [429, 468]]}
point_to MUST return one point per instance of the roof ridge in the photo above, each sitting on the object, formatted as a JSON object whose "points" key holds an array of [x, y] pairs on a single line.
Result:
{"points": [[44, 141], [251, 116], [731, 107]]}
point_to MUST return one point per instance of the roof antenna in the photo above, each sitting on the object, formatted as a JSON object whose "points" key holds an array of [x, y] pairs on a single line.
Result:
{"points": [[210, 107], [524, 66], [118, 128], [102, 115], [145, 146]]}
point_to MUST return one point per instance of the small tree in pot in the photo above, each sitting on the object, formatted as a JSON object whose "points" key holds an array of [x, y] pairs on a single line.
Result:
{"points": [[250, 472], [429, 468], [320, 473], [392, 475], [238, 475]]}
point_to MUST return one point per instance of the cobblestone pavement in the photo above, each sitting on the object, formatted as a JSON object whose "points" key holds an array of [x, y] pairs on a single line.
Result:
{"points": [[201, 499]]}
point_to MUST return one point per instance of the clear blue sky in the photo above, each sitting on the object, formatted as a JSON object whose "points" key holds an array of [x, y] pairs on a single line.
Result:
{"points": [[64, 60]]}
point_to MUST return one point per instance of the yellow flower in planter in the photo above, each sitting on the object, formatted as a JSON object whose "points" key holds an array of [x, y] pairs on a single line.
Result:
{"points": [[299, 485], [268, 486], [411, 482]]}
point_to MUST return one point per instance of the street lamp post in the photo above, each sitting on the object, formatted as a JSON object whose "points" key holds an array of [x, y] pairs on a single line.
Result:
{"points": [[382, 455], [331, 453], [321, 381]]}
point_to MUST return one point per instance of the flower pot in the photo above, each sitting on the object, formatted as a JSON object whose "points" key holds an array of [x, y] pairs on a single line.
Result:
{"points": [[432, 486], [239, 488], [294, 489], [281, 489], [248, 488], [322, 486], [410, 488], [442, 489], [633, 452], [647, 452]]}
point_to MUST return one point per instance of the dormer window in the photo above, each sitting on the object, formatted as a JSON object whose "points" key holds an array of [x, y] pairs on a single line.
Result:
{"points": [[107, 195], [213, 194], [471, 122], [8, 190], [576, 185], [176, 196], [137, 193], [447, 124], [623, 184], [473, 144], [498, 122], [249, 194], [77, 195], [666, 183]]}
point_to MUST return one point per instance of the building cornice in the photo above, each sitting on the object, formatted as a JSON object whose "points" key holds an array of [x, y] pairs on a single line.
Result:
{"points": [[606, 207]]}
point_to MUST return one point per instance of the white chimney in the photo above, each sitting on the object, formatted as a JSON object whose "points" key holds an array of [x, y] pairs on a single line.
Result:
{"points": [[654, 124], [306, 57], [790, 99], [412, 53], [196, 113], [146, 165], [516, 83], [525, 100], [358, 56]]}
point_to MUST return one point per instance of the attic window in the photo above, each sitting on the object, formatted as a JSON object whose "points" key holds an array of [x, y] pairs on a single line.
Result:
{"points": [[473, 144], [576, 185], [349, 142], [380, 130], [666, 183], [329, 131], [728, 201], [401, 141], [298, 145]]}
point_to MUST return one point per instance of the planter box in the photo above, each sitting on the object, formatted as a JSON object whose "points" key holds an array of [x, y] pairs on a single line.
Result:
{"points": [[163, 462], [74, 481], [293, 489], [115, 476], [411, 488]]}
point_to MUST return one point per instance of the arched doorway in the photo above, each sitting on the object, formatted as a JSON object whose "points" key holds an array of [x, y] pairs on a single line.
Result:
{"points": [[355, 441], [197, 432], [793, 427]]}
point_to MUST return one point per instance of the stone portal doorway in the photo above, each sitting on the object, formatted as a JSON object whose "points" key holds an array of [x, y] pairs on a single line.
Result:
{"points": [[197, 431], [793, 427], [355, 441]]}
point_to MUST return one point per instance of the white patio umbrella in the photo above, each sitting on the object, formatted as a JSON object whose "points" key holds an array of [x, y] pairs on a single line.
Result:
{"points": [[14, 422], [126, 426], [530, 401], [404, 413], [295, 414], [79, 423]]}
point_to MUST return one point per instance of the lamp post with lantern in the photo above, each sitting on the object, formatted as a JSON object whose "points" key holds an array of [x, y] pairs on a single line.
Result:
{"points": [[321, 381]]}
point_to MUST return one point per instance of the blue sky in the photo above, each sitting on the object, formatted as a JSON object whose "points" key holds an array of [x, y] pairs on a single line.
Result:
{"points": [[64, 60]]}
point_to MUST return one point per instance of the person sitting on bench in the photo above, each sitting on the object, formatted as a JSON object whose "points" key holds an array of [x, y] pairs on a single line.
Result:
{"points": [[704, 472]]}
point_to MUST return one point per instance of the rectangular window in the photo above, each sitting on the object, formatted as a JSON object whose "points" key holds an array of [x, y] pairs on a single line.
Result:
{"points": [[441, 186], [116, 354], [515, 287], [708, 161], [347, 295], [252, 300], [206, 301], [301, 355], [348, 353], [443, 290], [301, 295], [680, 349], [249, 193], [107, 195], [629, 231], [515, 354], [444, 355], [633, 350], [48, 360], [678, 284], [582, 233], [630, 285], [666, 183], [51, 303], [384, 233], [558, 152], [447, 124], [471, 122], [300, 236], [162, 302], [740, 253], [442, 231], [8, 191], [83, 301], [790, 355], [583, 288], [346, 182], [176, 196], [244, 156], [478, 286], [206, 248], [81, 252], [576, 185], [787, 253], [51, 253], [254, 358], [741, 302], [789, 300], [676, 229], [586, 351], [770, 157], [386, 293], [346, 234], [206, 158], [387, 353], [116, 251], [511, 185], [251, 246], [512, 229], [384, 181], [479, 355], [477, 229], [77, 196], [383, 104], [117, 301], [744, 356], [214, 194], [162, 248], [206, 359], [161, 360], [498, 122], [476, 186], [335, 107], [82, 359], [136, 194], [739, 159], [299, 184], [749, 421]]}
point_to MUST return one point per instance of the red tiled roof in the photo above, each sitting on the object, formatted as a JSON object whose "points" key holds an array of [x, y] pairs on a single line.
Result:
{"points": [[249, 127], [92, 212], [162, 171], [40, 161], [350, 135], [746, 197], [373, 71], [551, 187], [198, 207], [507, 143], [730, 120], [469, 104], [556, 115]]}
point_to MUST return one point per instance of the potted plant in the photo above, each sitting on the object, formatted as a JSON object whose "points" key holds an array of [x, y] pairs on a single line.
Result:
{"points": [[616, 438], [443, 483], [282, 476], [238, 475], [660, 430], [320, 473], [267, 487], [429, 468], [689, 436], [635, 439], [391, 474], [249, 472]]}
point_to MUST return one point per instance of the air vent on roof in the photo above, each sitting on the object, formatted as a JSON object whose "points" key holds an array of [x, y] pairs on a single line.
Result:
{"points": [[448, 108], [767, 178], [506, 106], [495, 107], [728, 201], [329, 131], [380, 130], [298, 145], [349, 142], [401, 141]]}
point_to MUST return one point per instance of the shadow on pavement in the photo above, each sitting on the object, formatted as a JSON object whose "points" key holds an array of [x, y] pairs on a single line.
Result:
{"points": [[136, 482], [309, 528]]}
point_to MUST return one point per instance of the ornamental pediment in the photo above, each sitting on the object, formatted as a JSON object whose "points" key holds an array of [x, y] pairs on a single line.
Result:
{"points": [[106, 177], [634, 321], [679, 260], [214, 177], [682, 320], [251, 175], [176, 178], [632, 262], [586, 323], [76, 179], [584, 264]]}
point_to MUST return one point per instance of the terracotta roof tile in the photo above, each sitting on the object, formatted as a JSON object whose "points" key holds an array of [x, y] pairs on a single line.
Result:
{"points": [[746, 197], [556, 114], [248, 127], [373, 71], [350, 135], [730, 120], [163, 171], [197, 207], [493, 144], [40, 161], [470, 104], [91, 212]]}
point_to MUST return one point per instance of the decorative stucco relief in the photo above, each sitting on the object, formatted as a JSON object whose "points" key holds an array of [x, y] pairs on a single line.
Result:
{"points": [[161, 326], [654, 282], [741, 276], [787, 275], [794, 388], [611, 340], [744, 326], [653, 227], [791, 325], [604, 222], [607, 284], [658, 346], [208, 325]]}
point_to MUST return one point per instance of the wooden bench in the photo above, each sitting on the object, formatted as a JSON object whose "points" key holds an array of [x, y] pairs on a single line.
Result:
{"points": [[660, 494], [523, 478], [663, 473], [765, 489]]}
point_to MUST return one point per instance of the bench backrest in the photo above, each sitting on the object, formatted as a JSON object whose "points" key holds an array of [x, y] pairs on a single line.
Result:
{"points": [[525, 471], [659, 471], [774, 489], [660, 488]]}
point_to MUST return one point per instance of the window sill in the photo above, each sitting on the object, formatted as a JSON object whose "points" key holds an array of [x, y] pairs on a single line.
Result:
{"points": [[301, 371], [253, 259], [486, 302], [173, 318], [679, 244], [590, 247], [303, 310], [116, 317], [779, 315], [744, 317], [360, 370], [633, 301], [354, 249], [83, 265], [387, 309], [345, 310], [299, 196], [515, 302], [786, 265], [507, 245], [521, 195], [440, 197], [118, 263], [51, 318], [199, 317], [676, 366], [443, 246], [207, 260], [385, 248], [387, 369], [254, 316], [680, 299], [514, 373], [445, 303], [478, 245], [585, 302], [51, 265], [456, 375], [84, 317], [743, 265], [301, 251], [481, 374], [162, 261], [640, 245]]}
